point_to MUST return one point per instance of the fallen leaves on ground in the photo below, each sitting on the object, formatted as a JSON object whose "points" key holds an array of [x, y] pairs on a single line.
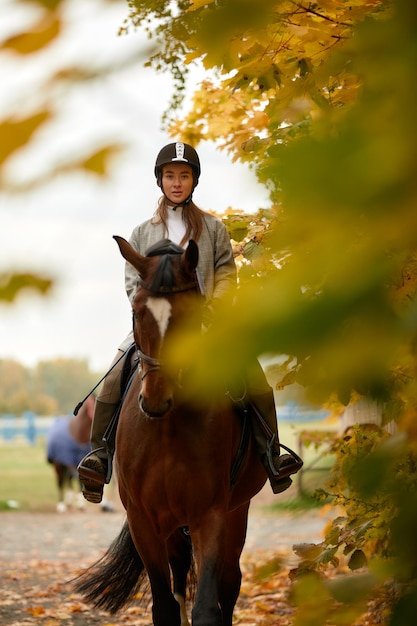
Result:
{"points": [[39, 593]]}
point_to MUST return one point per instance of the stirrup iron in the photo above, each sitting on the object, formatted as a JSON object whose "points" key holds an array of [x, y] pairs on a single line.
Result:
{"points": [[295, 466]]}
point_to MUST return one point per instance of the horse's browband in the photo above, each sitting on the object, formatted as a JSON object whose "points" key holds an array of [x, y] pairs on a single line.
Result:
{"points": [[173, 289]]}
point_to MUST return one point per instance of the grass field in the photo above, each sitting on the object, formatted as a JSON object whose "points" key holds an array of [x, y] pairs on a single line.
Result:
{"points": [[28, 479]]}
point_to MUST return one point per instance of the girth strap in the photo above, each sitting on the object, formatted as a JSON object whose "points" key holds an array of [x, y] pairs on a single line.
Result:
{"points": [[243, 445]]}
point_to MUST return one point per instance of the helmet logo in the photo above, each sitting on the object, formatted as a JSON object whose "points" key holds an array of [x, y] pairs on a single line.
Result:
{"points": [[179, 152]]}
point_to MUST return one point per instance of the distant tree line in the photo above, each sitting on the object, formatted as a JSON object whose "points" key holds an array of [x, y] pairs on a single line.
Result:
{"points": [[50, 388]]}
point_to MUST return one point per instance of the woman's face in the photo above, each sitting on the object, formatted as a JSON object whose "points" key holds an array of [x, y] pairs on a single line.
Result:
{"points": [[177, 181]]}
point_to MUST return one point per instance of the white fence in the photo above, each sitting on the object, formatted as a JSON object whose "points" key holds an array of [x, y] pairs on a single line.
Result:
{"points": [[28, 428]]}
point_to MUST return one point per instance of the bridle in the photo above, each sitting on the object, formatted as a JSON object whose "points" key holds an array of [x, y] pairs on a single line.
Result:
{"points": [[154, 364], [197, 283], [164, 289]]}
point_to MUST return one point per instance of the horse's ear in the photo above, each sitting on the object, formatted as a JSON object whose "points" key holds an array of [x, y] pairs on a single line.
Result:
{"points": [[138, 261], [190, 257]]}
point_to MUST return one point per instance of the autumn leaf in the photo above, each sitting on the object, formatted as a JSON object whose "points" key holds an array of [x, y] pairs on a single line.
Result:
{"points": [[12, 284], [197, 4], [99, 162], [15, 133], [38, 37], [308, 551], [37, 610], [357, 560]]}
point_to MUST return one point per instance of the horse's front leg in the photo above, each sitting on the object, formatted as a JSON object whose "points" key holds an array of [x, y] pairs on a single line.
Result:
{"points": [[165, 608], [209, 544], [231, 577], [153, 552]]}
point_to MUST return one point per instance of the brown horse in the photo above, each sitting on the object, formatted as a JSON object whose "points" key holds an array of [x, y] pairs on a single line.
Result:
{"points": [[186, 498]]}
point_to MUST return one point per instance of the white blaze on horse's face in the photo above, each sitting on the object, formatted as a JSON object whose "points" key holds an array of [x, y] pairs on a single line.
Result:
{"points": [[161, 310]]}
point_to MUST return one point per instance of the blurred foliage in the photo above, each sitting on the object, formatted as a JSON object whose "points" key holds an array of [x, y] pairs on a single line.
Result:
{"points": [[320, 99], [255, 51], [12, 284], [50, 388], [23, 122], [371, 484], [29, 111]]}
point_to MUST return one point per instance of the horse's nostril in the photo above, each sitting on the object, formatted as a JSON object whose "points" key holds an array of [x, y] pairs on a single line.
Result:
{"points": [[140, 402], [154, 409]]}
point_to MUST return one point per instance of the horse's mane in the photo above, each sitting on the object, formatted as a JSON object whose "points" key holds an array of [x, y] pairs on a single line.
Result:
{"points": [[164, 277]]}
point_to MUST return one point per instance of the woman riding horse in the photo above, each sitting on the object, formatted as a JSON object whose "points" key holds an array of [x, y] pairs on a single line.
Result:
{"points": [[178, 218], [186, 463]]}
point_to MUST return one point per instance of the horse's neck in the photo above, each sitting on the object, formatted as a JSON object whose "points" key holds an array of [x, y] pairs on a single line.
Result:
{"points": [[79, 428]]}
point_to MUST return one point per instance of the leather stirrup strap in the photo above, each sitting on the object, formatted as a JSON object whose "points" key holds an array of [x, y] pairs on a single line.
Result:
{"points": [[109, 437], [270, 437], [242, 448]]}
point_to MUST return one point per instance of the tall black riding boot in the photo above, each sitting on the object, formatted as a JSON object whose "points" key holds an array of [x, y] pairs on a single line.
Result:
{"points": [[93, 468], [279, 467]]}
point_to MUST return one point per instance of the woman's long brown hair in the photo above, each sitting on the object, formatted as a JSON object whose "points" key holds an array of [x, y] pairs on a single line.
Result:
{"points": [[192, 216]]}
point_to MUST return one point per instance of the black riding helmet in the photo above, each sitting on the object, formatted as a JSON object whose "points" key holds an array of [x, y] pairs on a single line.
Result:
{"points": [[178, 152]]}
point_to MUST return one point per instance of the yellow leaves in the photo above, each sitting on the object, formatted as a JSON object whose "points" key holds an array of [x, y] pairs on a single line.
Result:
{"points": [[279, 61], [404, 287], [37, 611], [12, 284], [99, 162], [197, 4], [35, 39], [37, 103], [217, 113], [409, 424], [15, 133]]}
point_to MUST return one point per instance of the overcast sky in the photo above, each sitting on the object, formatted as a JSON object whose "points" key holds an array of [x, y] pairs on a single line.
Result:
{"points": [[65, 230]]}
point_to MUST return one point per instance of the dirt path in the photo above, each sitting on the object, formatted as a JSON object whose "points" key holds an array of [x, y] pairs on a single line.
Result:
{"points": [[40, 551]]}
